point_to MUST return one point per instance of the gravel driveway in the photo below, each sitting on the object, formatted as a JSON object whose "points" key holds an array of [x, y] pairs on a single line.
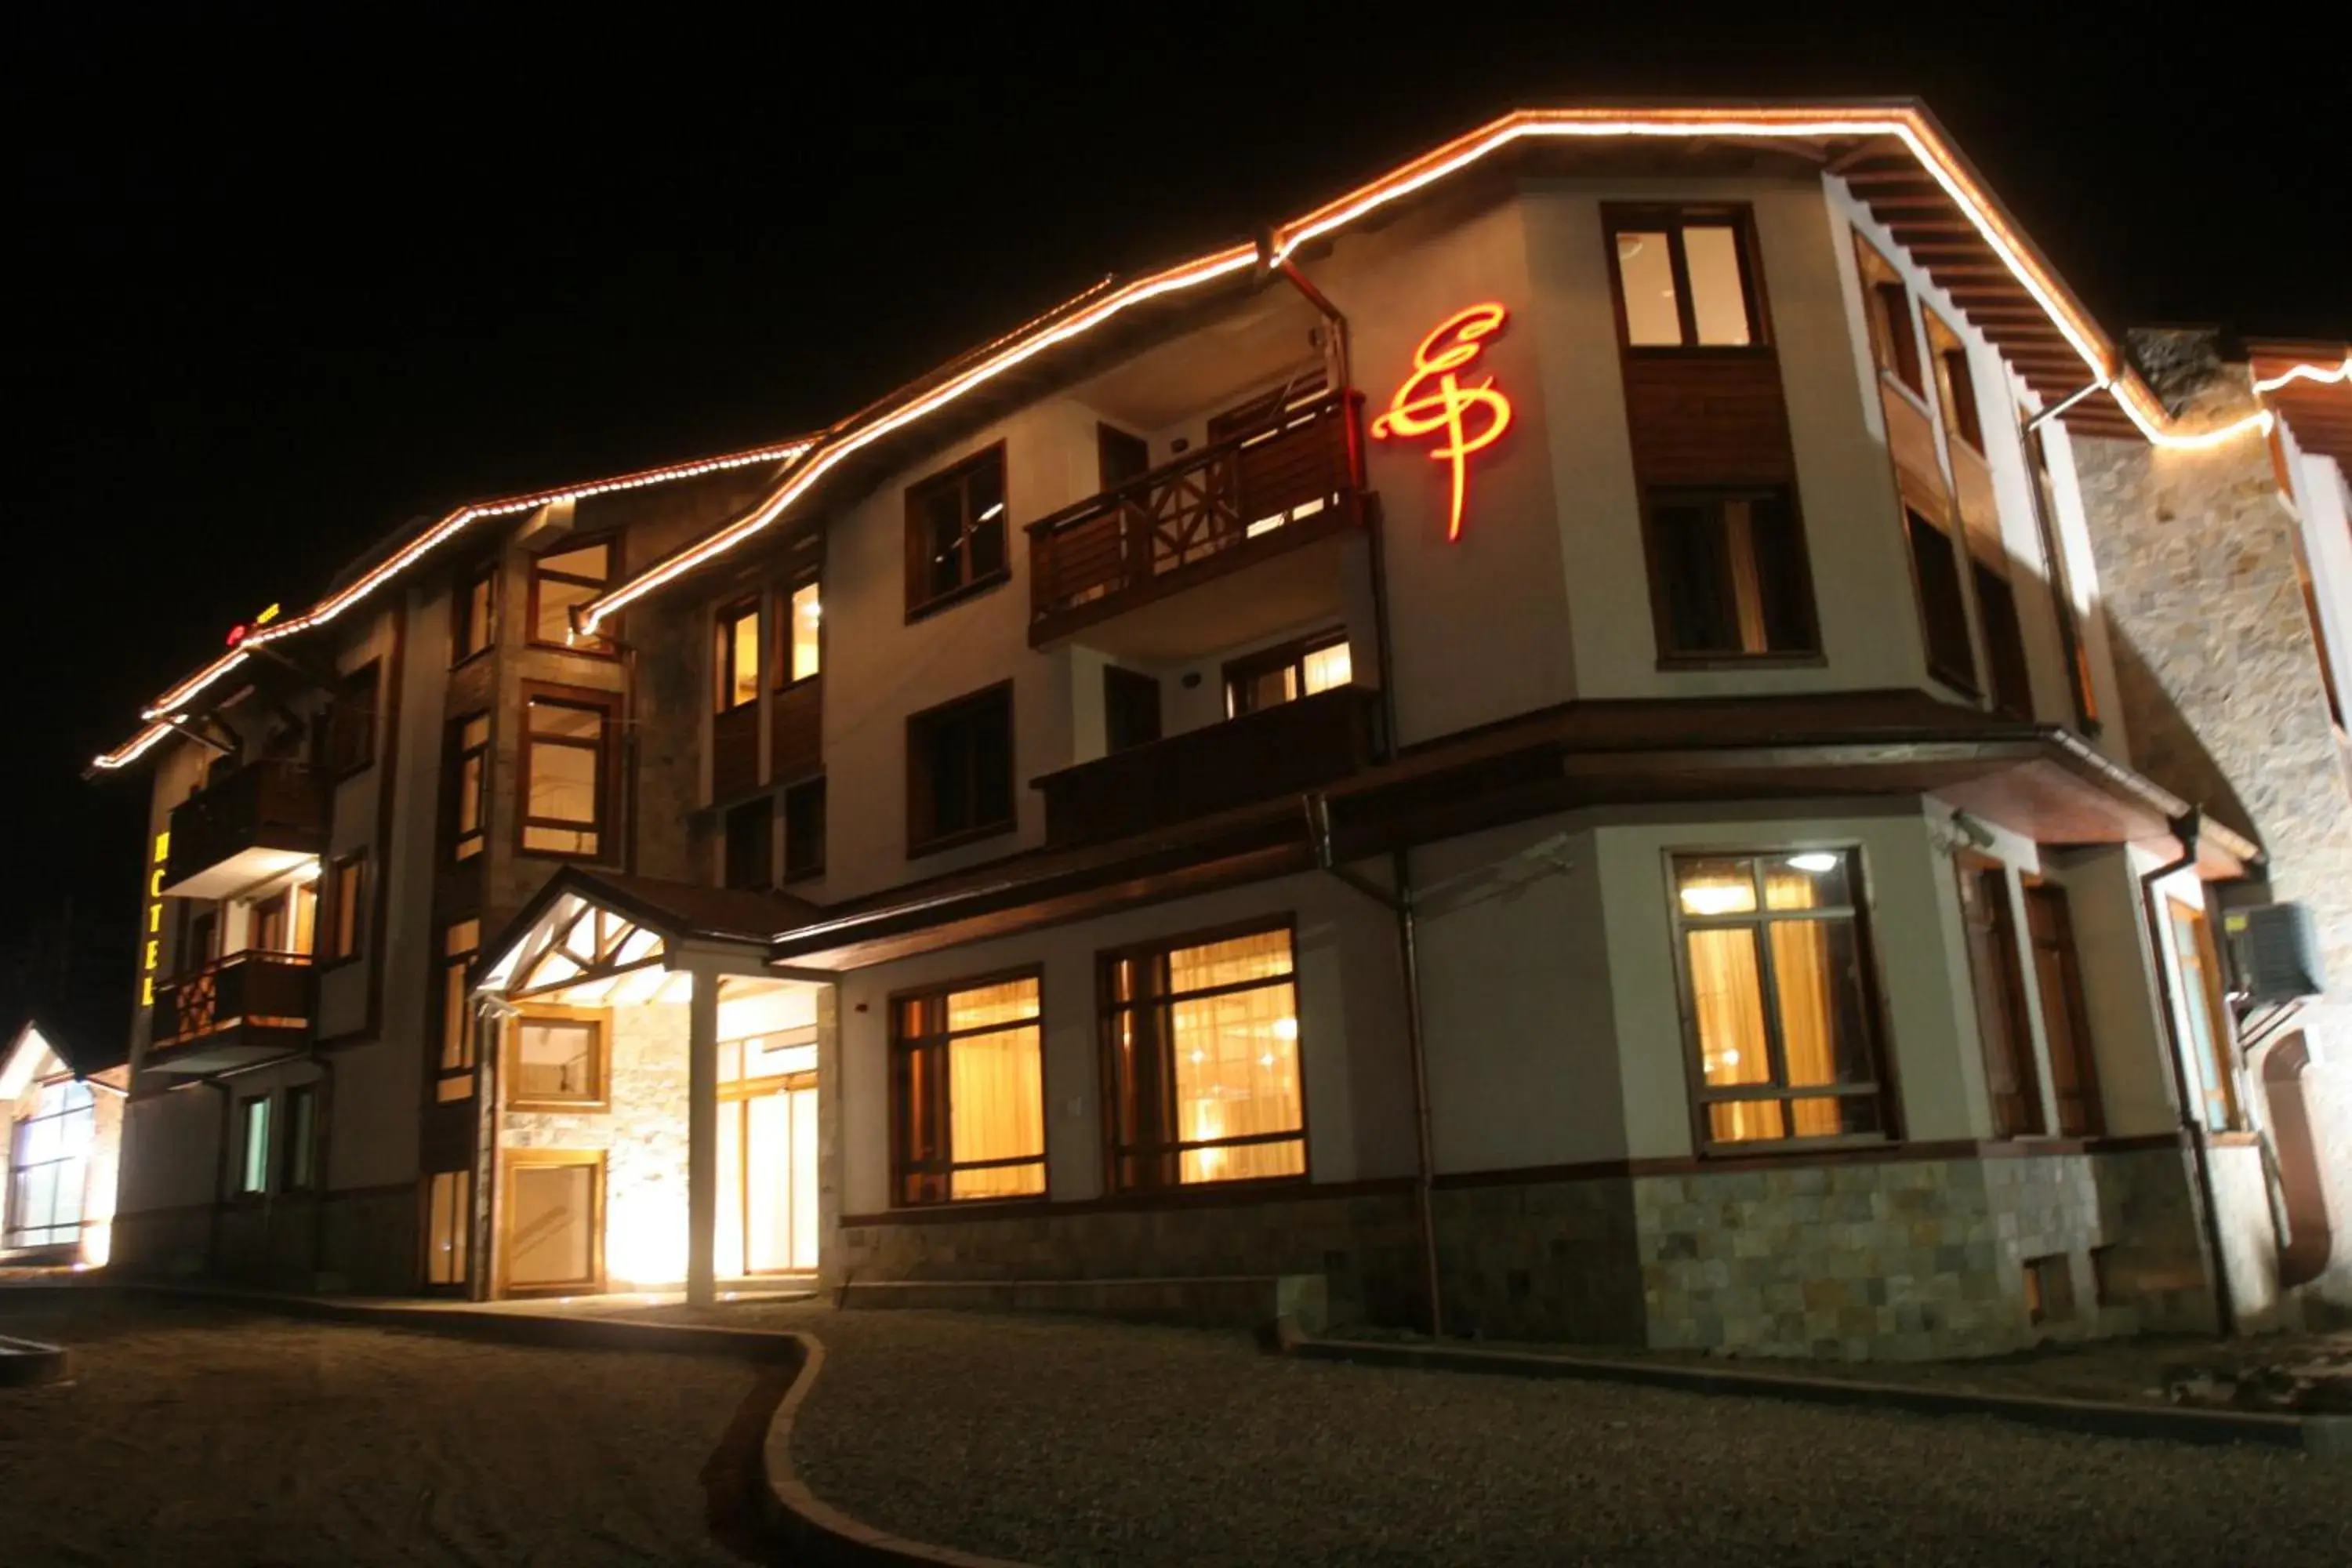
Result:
{"points": [[192, 1436], [1065, 1441]]}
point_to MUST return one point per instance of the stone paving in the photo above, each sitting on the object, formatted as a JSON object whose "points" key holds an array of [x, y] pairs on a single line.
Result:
{"points": [[1070, 1441]]}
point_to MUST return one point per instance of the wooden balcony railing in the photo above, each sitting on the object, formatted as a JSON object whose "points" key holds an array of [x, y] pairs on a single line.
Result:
{"points": [[1255, 493], [261, 806], [250, 1004], [1287, 749]]}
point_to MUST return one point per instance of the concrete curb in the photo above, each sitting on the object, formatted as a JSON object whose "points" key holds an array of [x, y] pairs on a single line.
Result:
{"points": [[2321, 1435], [810, 1529], [26, 1363]]}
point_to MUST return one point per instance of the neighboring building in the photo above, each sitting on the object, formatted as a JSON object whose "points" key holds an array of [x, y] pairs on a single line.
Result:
{"points": [[65, 1130], [1672, 869]]}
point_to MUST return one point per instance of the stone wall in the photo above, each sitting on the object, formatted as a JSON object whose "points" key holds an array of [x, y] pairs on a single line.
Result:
{"points": [[643, 1135], [2218, 673]]}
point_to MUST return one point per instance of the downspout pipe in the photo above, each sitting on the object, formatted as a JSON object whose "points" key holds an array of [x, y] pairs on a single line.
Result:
{"points": [[2184, 828]]}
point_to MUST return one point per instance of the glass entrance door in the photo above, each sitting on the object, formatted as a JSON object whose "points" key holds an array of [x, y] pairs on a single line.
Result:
{"points": [[767, 1158]]}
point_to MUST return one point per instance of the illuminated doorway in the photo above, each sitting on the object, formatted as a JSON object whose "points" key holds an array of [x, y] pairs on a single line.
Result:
{"points": [[767, 1156]]}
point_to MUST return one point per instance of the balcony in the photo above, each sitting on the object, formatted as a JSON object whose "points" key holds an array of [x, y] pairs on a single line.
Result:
{"points": [[1285, 750], [262, 819], [1258, 493], [246, 1009]]}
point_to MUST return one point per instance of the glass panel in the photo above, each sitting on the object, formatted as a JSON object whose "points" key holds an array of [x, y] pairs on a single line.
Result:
{"points": [[940, 508], [1718, 300], [1741, 1121], [1809, 879], [730, 1243], [1646, 272], [1783, 591], [564, 721], [1727, 1003], [1236, 1076], [1326, 667], [590, 561], [551, 1215], [985, 505], [743, 661], [777, 1056], [563, 784], [768, 1184], [255, 1173], [1846, 1116], [1702, 611], [1817, 975], [556, 599], [1261, 957], [561, 840], [804, 1177], [1715, 886], [555, 1059], [992, 766], [996, 1110], [807, 612], [987, 1006]]}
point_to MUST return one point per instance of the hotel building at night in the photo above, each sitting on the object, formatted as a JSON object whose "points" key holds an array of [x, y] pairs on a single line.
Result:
{"points": [[1641, 720]]}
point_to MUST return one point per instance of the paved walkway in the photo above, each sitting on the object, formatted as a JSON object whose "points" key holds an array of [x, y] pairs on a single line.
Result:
{"points": [[1066, 1441]]}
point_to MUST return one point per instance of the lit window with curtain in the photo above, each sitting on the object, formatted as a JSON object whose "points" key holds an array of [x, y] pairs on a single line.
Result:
{"points": [[1773, 956], [735, 658], [801, 653], [48, 1166], [1203, 1043], [968, 1093], [566, 761]]}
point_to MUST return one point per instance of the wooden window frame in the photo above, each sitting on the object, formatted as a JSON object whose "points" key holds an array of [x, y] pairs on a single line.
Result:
{"points": [[1112, 444], [588, 648], [801, 870], [1123, 690], [606, 825], [921, 601], [1292, 655], [246, 1105], [1961, 413], [461, 1181], [1968, 683], [2081, 1053], [1900, 358], [352, 726], [466, 1070], [464, 842], [919, 803], [509, 1160], [327, 940], [599, 1019], [783, 679], [1860, 911], [1996, 957], [2217, 1012], [1619, 218], [1661, 608], [462, 626], [724, 621], [901, 1044], [1108, 1009]]}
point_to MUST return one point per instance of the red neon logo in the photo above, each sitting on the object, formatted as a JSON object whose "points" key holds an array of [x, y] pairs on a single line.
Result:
{"points": [[1432, 399]]}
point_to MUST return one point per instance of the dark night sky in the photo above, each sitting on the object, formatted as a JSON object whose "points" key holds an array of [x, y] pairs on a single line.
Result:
{"points": [[281, 288]]}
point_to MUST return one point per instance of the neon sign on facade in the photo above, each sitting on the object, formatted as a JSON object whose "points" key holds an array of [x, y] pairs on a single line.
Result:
{"points": [[1467, 419]]}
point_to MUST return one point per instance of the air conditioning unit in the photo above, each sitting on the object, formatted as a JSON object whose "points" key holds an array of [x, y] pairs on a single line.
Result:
{"points": [[2274, 952]]}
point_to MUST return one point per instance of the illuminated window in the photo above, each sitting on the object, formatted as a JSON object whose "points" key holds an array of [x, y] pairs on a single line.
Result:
{"points": [[1728, 573], [802, 634], [967, 1091], [960, 770], [299, 1169], [48, 1166], [735, 656], [1886, 311], [350, 723], [253, 1149], [554, 1207], [1286, 673], [805, 830], [1685, 278], [566, 761], [1956, 388], [455, 1080], [556, 1059], [448, 1226], [345, 916], [563, 580], [469, 763], [473, 614], [955, 531], [1772, 956], [751, 844], [286, 922], [1204, 1075]]}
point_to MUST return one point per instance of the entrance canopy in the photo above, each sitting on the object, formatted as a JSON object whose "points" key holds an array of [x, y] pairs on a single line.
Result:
{"points": [[597, 940]]}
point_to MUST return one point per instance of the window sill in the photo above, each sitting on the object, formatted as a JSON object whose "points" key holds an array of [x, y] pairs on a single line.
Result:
{"points": [[559, 1107], [950, 599], [974, 1206], [916, 851], [1675, 663]]}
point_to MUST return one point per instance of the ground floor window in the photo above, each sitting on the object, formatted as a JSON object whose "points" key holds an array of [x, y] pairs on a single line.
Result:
{"points": [[967, 1087], [252, 1163], [555, 1221], [2208, 1041], [48, 1166], [1203, 1039], [448, 1226], [767, 1155], [1775, 997]]}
